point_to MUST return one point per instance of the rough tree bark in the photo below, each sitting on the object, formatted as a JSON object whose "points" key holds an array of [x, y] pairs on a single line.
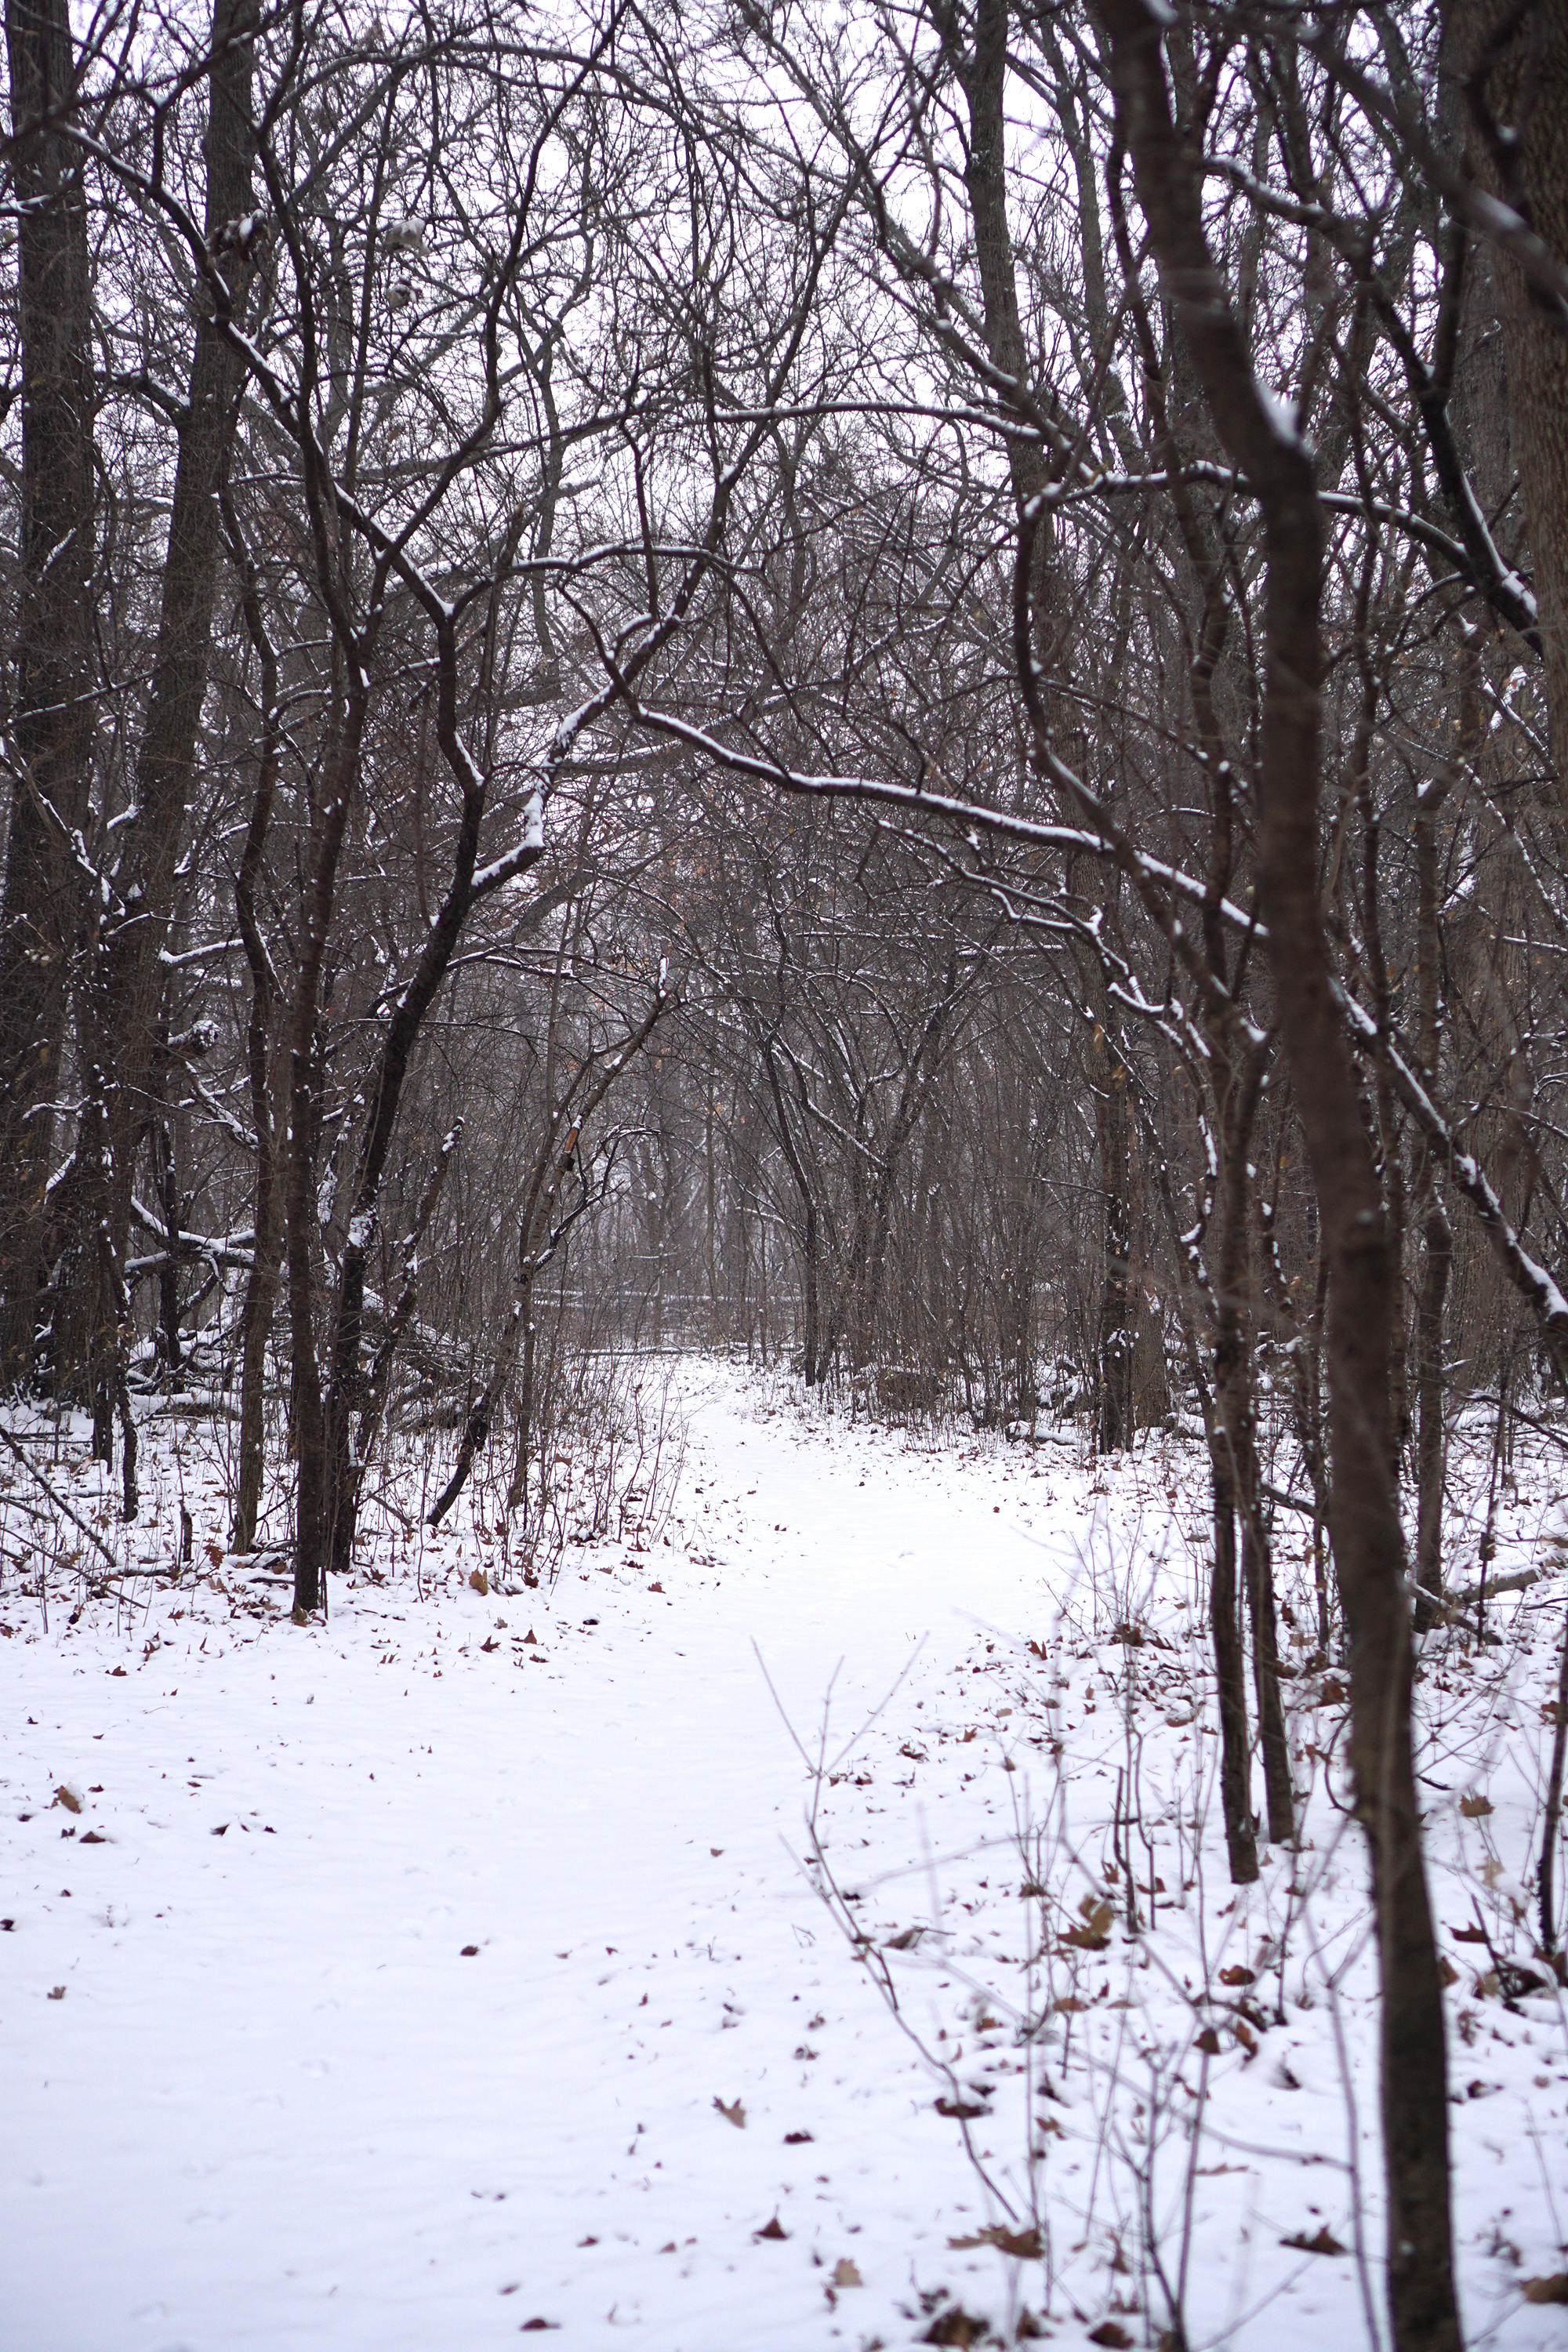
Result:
{"points": [[50, 733]]}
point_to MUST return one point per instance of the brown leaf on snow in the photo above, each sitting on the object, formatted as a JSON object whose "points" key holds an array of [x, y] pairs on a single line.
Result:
{"points": [[1322, 2242], [66, 1797], [962, 2110], [771, 2230], [59, 1993], [1024, 2245], [797, 2139], [958, 2327], [1095, 1932], [481, 1583], [1208, 2042], [735, 2114], [1476, 1809], [844, 2273], [1237, 1975], [1547, 2290], [1110, 2331]]}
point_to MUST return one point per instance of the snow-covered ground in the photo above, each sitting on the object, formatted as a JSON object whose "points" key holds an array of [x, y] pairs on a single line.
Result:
{"points": [[456, 1968]]}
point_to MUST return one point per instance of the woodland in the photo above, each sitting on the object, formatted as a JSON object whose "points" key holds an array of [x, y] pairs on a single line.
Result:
{"points": [[879, 690]]}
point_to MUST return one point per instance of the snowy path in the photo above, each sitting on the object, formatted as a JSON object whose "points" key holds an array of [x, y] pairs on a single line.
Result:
{"points": [[403, 1963], [277, 2104]]}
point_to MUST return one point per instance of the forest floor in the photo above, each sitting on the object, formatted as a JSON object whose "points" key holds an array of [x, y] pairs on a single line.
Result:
{"points": [[460, 1966]]}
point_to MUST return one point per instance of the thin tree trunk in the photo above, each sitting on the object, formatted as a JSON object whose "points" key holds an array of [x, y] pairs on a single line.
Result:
{"points": [[261, 1282], [1550, 1828], [1436, 1234], [1114, 1338]]}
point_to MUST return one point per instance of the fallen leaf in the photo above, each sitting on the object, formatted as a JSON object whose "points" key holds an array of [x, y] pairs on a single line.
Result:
{"points": [[1110, 2331], [1324, 2242], [469, 1952], [92, 1838], [1208, 2042], [221, 1831], [844, 2273], [1476, 1809], [68, 1798], [1547, 2290], [962, 2110], [1069, 2005], [481, 1583], [1468, 1935], [1237, 1975], [957, 2326], [1247, 2040], [1024, 2245], [1333, 1692], [797, 2139], [905, 1942], [771, 2230], [1447, 1971], [656, 1588], [213, 1552], [735, 2114], [537, 2327], [492, 1644]]}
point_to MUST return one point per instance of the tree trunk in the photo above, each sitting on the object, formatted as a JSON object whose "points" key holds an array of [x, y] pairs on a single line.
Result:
{"points": [[1436, 1234], [1114, 1350], [301, 1217], [51, 719], [126, 987], [1369, 1544], [1513, 63], [267, 1250]]}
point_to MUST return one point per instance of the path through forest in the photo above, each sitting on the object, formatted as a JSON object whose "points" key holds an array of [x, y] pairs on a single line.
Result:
{"points": [[276, 2104], [410, 1979]]}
